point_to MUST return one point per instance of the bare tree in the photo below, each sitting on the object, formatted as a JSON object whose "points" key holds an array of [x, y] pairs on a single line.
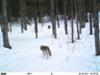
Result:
{"points": [[77, 18], [96, 28], [5, 25], [57, 13], [65, 17], [35, 20], [3, 73], [53, 19], [36, 25], [90, 17], [23, 16], [72, 24], [29, 73]]}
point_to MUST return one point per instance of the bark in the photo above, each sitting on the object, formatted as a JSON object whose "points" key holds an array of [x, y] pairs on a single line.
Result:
{"points": [[96, 29], [57, 17], [5, 26], [72, 25], [23, 16], [10, 27], [65, 18], [77, 18], [11, 23], [1, 24], [72, 31], [22, 24], [35, 20], [91, 27], [78, 34], [41, 13], [36, 25], [96, 34], [3, 73], [58, 21], [53, 19]]}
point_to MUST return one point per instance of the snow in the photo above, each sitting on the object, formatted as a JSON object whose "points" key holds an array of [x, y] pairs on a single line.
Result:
{"points": [[66, 56]]}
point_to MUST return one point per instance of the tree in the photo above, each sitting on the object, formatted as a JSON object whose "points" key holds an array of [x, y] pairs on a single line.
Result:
{"points": [[57, 13], [90, 17], [35, 18], [96, 28], [72, 18], [5, 25], [65, 17], [77, 18], [29, 73], [23, 15], [3, 73], [51, 73], [41, 12], [53, 19]]}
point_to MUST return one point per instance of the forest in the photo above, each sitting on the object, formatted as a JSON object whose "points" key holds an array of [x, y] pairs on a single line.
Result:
{"points": [[27, 10]]}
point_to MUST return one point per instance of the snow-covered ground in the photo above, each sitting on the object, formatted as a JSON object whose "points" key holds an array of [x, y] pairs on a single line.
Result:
{"points": [[66, 57]]}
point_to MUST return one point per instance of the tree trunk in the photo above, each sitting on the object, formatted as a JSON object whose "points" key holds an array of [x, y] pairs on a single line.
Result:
{"points": [[22, 14], [80, 15], [5, 25], [36, 25], [35, 20], [91, 16], [77, 18], [11, 23], [96, 33], [10, 27], [91, 27], [72, 25], [65, 17], [96, 29], [57, 17], [41, 13], [1, 23], [29, 73], [3, 73], [58, 21], [72, 31], [22, 24], [77, 26], [53, 19]]}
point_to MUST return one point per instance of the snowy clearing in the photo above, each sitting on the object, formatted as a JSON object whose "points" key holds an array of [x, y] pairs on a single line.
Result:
{"points": [[66, 57]]}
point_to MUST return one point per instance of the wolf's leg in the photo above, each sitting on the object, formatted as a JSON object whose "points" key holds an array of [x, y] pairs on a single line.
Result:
{"points": [[49, 52], [46, 54], [43, 53]]}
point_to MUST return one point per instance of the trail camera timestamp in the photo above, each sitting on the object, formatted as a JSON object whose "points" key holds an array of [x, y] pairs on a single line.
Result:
{"points": [[88, 73]]}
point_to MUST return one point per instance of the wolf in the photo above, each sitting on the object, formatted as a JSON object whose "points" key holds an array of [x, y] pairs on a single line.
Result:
{"points": [[46, 51]]}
